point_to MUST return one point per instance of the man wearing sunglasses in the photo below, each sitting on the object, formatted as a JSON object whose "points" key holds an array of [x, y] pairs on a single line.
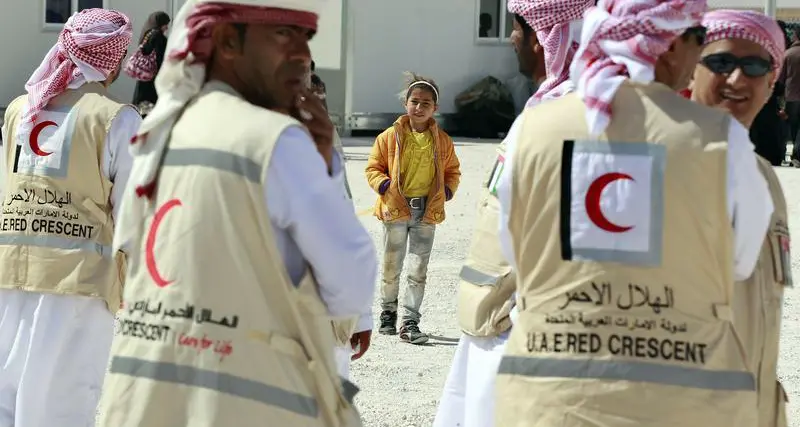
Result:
{"points": [[738, 69], [726, 78], [737, 74], [630, 211]]}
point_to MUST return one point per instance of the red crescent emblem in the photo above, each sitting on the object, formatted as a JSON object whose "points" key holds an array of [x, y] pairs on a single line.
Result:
{"points": [[593, 196], [149, 246], [33, 140]]}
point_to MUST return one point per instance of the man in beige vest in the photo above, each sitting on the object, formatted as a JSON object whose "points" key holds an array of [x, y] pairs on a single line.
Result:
{"points": [[618, 211], [243, 249], [545, 37], [739, 65], [354, 335], [66, 164]]}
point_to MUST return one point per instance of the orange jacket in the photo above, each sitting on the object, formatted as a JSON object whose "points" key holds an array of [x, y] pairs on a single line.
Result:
{"points": [[384, 163]]}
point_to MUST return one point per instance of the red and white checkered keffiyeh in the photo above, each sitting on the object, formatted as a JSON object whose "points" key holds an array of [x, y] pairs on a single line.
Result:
{"points": [[747, 25], [90, 47], [181, 78], [622, 40], [557, 25]]}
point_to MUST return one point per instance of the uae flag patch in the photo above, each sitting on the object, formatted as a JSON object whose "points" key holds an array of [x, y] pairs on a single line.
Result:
{"points": [[497, 171]]}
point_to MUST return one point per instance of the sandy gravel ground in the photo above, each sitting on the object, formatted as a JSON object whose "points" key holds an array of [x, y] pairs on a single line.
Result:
{"points": [[789, 365], [401, 383]]}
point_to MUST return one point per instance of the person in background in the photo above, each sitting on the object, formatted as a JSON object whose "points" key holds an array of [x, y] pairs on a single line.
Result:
{"points": [[153, 39], [484, 25], [243, 248], [66, 143], [618, 213], [740, 63], [414, 169], [318, 86], [790, 78], [354, 335], [767, 131], [545, 38]]}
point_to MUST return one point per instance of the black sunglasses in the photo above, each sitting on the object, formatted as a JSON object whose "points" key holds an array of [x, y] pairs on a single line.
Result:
{"points": [[726, 63], [699, 33]]}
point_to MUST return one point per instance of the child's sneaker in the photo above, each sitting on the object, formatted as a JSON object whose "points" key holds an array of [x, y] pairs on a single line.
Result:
{"points": [[410, 333], [388, 323]]}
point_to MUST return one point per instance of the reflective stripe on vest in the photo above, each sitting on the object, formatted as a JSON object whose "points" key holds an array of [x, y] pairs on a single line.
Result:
{"points": [[471, 275], [223, 383], [216, 381], [628, 371], [50, 241], [217, 159], [56, 242]]}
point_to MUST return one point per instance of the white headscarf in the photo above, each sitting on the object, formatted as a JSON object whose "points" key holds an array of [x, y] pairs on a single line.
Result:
{"points": [[558, 27], [90, 47], [622, 40], [179, 80]]}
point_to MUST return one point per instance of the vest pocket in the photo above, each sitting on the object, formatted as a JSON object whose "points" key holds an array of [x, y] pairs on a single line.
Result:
{"points": [[312, 372], [484, 302], [282, 344], [730, 341], [327, 383], [487, 281], [343, 329]]}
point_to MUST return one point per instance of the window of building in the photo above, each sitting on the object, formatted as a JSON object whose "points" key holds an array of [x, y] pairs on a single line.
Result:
{"points": [[56, 12], [492, 17]]}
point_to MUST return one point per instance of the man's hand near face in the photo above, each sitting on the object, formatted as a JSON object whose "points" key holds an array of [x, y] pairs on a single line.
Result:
{"points": [[310, 111]]}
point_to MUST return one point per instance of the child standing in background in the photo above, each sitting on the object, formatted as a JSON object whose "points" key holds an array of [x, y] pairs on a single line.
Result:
{"points": [[414, 169]]}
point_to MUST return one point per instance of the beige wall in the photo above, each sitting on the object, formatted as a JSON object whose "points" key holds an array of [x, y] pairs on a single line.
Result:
{"points": [[788, 14], [733, 4], [138, 11], [784, 13], [25, 42]]}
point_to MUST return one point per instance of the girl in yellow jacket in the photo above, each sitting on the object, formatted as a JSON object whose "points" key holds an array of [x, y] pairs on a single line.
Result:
{"points": [[414, 169]]}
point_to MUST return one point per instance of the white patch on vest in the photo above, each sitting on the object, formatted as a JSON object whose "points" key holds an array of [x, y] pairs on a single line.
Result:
{"points": [[46, 150], [616, 202]]}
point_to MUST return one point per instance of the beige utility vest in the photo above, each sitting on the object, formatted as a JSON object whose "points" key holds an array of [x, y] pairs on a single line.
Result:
{"points": [[758, 304], [343, 328], [213, 332], [57, 226], [624, 249], [487, 281], [337, 145]]}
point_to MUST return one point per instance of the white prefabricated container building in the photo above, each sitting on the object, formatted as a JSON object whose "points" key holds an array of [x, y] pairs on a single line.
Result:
{"points": [[436, 38], [361, 49]]}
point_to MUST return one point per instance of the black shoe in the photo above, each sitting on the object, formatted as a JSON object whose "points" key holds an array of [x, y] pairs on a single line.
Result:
{"points": [[410, 333], [388, 323]]}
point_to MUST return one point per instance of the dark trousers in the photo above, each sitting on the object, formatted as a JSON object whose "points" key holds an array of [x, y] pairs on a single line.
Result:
{"points": [[793, 117], [768, 135]]}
